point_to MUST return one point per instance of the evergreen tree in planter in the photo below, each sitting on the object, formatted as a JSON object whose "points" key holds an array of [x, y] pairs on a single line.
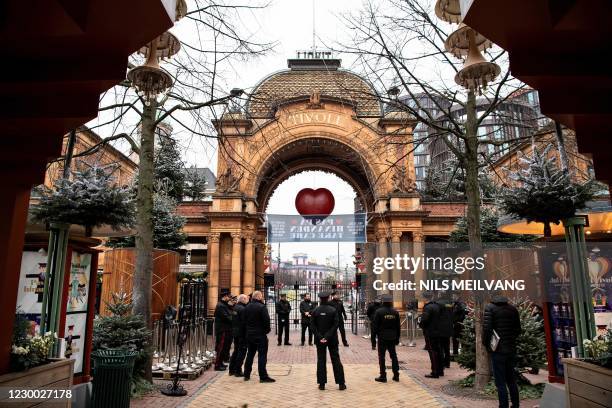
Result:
{"points": [[91, 198], [545, 193], [124, 330], [167, 227], [531, 344], [169, 168]]}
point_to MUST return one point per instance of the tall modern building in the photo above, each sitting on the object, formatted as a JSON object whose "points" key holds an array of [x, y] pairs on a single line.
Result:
{"points": [[517, 117]]}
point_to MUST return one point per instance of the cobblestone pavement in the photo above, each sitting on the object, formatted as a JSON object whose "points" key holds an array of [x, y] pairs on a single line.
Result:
{"points": [[294, 368]]}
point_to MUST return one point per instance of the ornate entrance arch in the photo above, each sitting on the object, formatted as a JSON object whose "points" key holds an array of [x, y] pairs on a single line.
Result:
{"points": [[313, 116]]}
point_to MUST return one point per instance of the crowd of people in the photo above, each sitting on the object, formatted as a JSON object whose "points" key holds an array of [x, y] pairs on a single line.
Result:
{"points": [[245, 322]]}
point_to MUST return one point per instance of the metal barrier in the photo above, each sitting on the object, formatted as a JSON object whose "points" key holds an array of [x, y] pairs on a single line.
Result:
{"points": [[349, 295], [198, 352], [410, 322]]}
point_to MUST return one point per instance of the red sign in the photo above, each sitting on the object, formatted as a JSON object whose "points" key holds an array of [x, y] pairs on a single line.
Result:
{"points": [[314, 202]]}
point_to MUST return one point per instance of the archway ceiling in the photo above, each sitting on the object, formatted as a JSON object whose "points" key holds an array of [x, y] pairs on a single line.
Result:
{"points": [[315, 154]]}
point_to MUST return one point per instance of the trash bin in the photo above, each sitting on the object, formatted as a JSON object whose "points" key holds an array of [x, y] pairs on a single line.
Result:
{"points": [[112, 377]]}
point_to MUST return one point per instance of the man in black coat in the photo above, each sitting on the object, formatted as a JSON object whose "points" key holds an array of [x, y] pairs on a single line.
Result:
{"points": [[223, 330], [306, 308], [386, 327], [337, 302], [239, 335], [283, 309], [502, 319], [257, 327], [459, 315], [324, 324], [370, 311], [445, 328], [430, 323]]}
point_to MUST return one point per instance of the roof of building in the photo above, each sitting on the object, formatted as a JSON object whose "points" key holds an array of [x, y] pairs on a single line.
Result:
{"points": [[301, 80]]}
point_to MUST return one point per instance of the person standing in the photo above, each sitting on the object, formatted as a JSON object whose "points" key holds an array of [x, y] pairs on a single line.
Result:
{"points": [[371, 310], [429, 322], [223, 331], [337, 302], [306, 308], [257, 327], [386, 327], [501, 319], [324, 323], [283, 309], [459, 315], [445, 328], [239, 335]]}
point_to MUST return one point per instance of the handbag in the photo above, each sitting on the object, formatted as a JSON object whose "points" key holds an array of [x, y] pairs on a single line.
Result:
{"points": [[494, 342]]}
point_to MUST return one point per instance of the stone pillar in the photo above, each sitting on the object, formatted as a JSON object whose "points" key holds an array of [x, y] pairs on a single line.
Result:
{"points": [[397, 273], [259, 264], [236, 258], [213, 271], [382, 253], [418, 248], [248, 276]]}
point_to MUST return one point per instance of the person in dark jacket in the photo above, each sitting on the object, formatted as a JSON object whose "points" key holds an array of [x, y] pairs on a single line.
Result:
{"points": [[370, 311], [257, 327], [306, 308], [502, 318], [283, 309], [223, 331], [445, 328], [386, 327], [324, 323], [337, 302], [459, 315], [239, 337], [430, 323]]}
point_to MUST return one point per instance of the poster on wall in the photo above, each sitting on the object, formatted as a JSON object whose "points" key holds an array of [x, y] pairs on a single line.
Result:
{"points": [[556, 268], [74, 339], [32, 282], [78, 282]]}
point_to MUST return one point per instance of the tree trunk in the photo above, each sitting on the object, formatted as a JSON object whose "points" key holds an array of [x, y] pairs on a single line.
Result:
{"points": [[547, 230], [472, 192], [143, 273], [561, 147]]}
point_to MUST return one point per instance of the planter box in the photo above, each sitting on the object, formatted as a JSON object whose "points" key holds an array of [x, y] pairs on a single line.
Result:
{"points": [[54, 375], [587, 385]]}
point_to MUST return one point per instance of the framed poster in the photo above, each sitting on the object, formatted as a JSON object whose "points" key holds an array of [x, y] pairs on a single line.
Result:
{"points": [[32, 282], [78, 282], [74, 339]]}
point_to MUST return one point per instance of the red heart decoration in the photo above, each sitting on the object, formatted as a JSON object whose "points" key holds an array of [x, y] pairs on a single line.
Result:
{"points": [[314, 202]]}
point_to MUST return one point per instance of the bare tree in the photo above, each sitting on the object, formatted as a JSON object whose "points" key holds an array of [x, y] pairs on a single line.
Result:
{"points": [[399, 45]]}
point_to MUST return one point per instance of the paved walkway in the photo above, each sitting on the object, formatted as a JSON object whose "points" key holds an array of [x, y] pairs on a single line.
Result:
{"points": [[295, 386], [294, 368]]}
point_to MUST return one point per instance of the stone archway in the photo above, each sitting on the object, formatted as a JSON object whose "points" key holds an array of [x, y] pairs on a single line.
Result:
{"points": [[310, 122]]}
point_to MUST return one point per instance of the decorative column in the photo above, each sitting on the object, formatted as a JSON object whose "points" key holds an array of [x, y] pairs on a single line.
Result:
{"points": [[397, 273], [260, 252], [418, 248], [236, 258], [248, 276], [382, 253], [213, 271]]}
